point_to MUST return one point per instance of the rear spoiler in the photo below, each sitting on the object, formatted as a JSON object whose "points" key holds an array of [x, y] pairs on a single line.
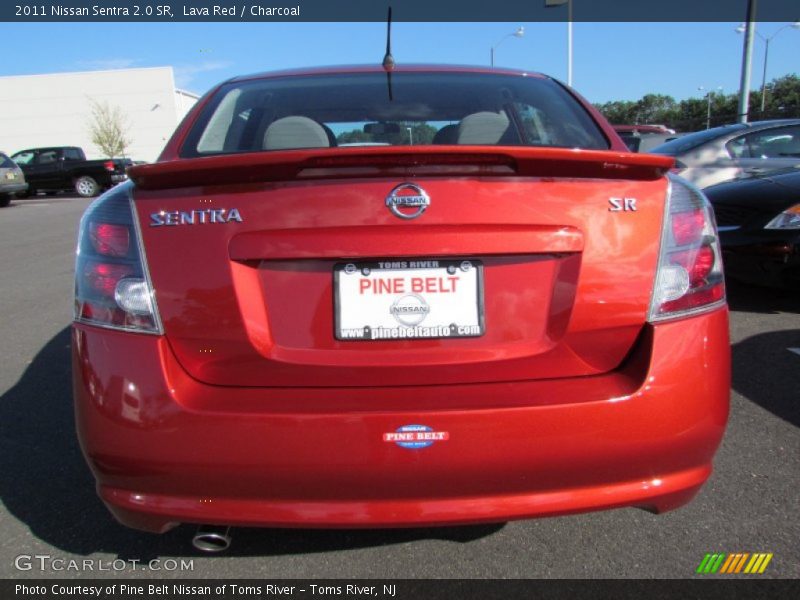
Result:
{"points": [[400, 161]]}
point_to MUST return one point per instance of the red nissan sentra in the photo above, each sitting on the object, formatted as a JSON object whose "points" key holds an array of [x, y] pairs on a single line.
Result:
{"points": [[351, 298]]}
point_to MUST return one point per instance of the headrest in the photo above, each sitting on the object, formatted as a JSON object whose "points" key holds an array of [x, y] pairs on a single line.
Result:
{"points": [[482, 128], [295, 132], [446, 135]]}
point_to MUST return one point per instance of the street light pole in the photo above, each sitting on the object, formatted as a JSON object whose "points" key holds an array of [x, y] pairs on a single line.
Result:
{"points": [[517, 34], [410, 136], [554, 3], [764, 76], [569, 43], [709, 97], [747, 57], [767, 40]]}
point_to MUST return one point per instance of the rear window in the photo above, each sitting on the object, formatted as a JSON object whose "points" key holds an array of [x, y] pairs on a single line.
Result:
{"points": [[363, 109], [72, 154], [5, 162]]}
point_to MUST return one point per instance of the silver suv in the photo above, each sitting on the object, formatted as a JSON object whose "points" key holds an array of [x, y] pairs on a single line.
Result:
{"points": [[12, 180]]}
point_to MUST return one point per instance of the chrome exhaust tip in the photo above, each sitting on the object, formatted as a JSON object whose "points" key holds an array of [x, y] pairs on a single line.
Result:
{"points": [[212, 539]]}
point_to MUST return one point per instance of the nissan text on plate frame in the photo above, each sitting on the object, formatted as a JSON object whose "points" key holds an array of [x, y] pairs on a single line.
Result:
{"points": [[297, 317]]}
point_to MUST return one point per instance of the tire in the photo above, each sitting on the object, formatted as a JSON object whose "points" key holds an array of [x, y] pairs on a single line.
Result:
{"points": [[86, 187], [5, 200]]}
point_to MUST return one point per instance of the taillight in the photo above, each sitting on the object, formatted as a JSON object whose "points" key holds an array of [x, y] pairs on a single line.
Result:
{"points": [[103, 277], [109, 165], [689, 277], [109, 239], [687, 227], [112, 285]]}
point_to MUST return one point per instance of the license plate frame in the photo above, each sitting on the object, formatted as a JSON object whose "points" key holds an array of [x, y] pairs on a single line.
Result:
{"points": [[411, 310]]}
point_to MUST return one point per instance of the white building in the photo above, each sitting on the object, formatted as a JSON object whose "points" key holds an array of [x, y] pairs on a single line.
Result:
{"points": [[55, 109]]}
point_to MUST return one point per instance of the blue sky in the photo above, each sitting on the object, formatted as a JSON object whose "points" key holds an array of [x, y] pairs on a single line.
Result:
{"points": [[612, 61]]}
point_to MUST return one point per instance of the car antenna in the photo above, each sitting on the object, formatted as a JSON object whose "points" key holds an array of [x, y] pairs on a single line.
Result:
{"points": [[388, 59]]}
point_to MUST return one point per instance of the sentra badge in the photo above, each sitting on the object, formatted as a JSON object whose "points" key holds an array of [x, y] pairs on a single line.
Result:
{"points": [[408, 201], [166, 218]]}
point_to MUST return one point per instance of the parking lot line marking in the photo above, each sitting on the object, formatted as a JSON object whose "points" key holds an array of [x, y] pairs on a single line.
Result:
{"points": [[795, 350]]}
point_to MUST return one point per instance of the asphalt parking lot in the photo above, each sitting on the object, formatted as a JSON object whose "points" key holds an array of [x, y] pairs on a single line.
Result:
{"points": [[49, 507]]}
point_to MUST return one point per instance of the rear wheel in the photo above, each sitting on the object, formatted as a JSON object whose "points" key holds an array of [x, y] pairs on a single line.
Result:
{"points": [[5, 200], [86, 186]]}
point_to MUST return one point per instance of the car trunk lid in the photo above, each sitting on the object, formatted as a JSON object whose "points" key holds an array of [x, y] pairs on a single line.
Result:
{"points": [[249, 255]]}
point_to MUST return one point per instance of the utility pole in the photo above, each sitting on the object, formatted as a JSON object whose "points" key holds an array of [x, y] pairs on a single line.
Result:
{"points": [[569, 43], [747, 57]]}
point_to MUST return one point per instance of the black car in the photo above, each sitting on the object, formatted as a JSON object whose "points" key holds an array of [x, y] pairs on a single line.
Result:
{"points": [[759, 225]]}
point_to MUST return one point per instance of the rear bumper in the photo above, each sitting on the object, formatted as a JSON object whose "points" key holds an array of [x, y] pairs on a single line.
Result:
{"points": [[13, 188], [166, 449]]}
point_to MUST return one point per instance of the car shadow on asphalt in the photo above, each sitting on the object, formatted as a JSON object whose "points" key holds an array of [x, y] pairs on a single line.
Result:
{"points": [[45, 484], [743, 297], [764, 370]]}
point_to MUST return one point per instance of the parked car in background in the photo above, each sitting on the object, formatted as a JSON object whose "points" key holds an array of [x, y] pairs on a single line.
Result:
{"points": [[730, 151], [759, 225], [648, 128], [12, 180], [274, 330], [62, 168], [645, 142]]}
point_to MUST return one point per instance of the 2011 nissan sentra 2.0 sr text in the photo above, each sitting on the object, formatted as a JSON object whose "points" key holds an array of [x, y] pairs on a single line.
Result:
{"points": [[348, 297]]}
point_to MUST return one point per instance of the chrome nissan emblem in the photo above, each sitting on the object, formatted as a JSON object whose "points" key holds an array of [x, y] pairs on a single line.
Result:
{"points": [[410, 310], [407, 201]]}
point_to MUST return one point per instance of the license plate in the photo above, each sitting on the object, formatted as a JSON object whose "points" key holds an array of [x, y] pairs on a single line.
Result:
{"points": [[10, 175], [408, 299]]}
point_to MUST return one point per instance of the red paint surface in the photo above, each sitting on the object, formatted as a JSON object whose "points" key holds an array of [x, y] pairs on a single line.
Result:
{"points": [[166, 448]]}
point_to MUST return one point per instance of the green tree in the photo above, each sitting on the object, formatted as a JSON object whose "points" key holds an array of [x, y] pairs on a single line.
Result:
{"points": [[421, 133], [109, 128], [653, 108], [353, 137], [620, 112], [783, 97], [691, 114]]}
